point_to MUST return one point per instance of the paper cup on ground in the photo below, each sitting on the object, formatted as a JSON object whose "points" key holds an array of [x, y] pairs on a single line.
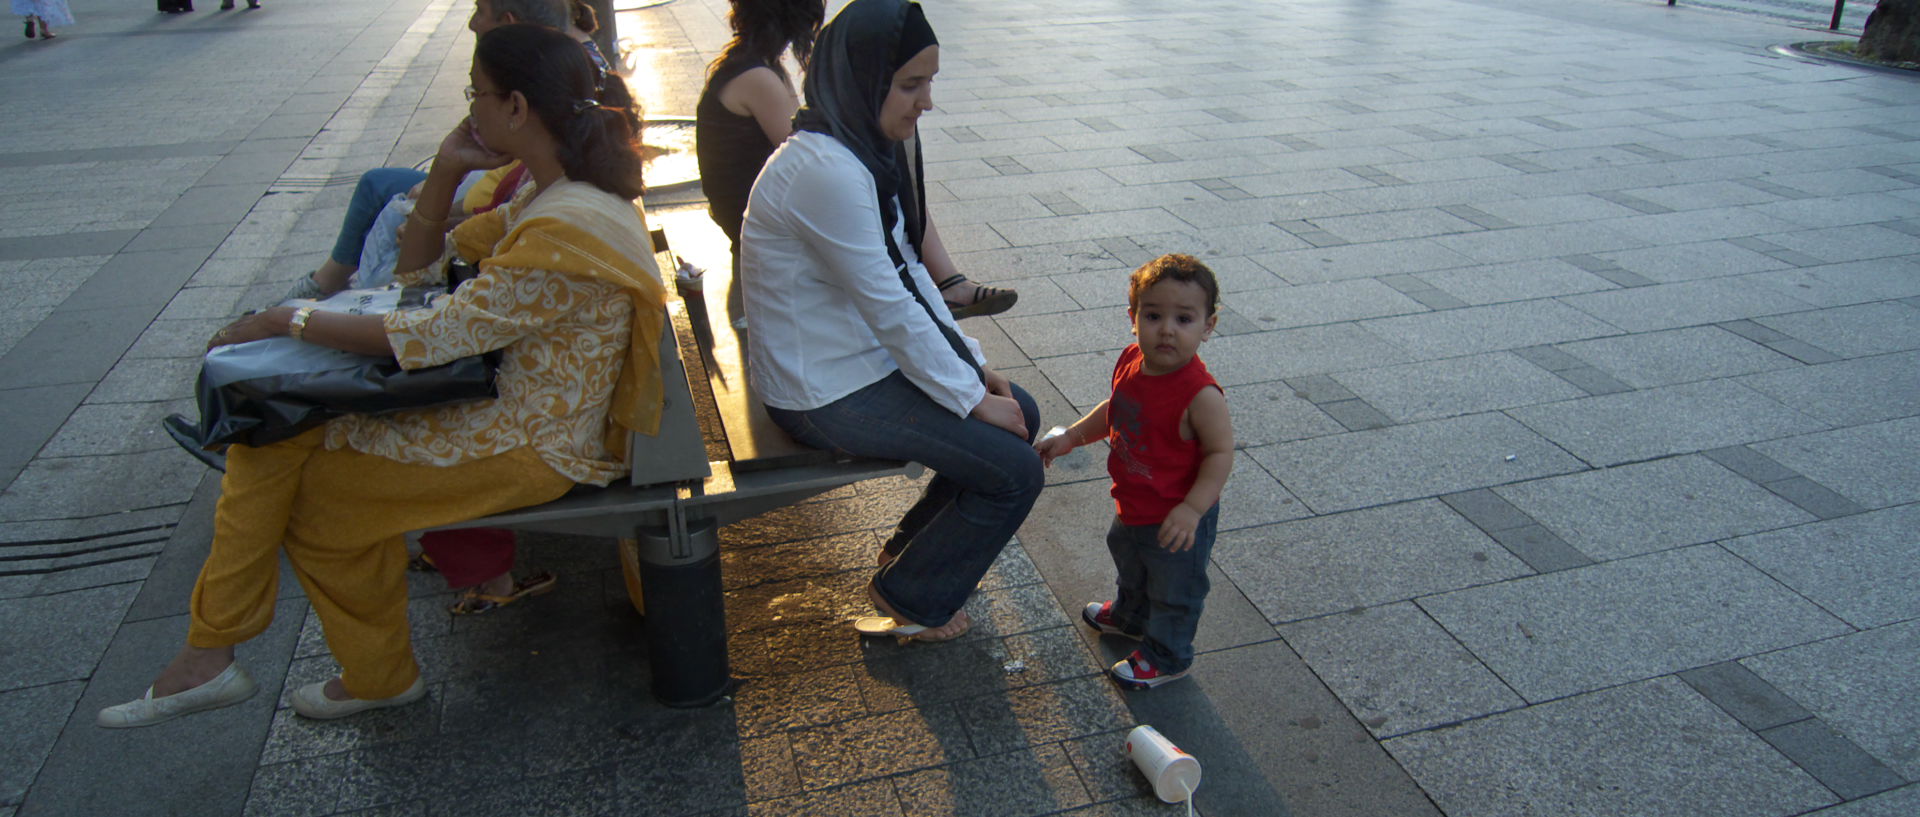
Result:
{"points": [[1173, 773]]}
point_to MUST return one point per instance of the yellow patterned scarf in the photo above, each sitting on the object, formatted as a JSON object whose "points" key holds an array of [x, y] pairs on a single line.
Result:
{"points": [[578, 229]]}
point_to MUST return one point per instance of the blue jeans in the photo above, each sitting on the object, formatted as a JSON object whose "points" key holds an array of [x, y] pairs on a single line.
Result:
{"points": [[1161, 593], [985, 481], [370, 196]]}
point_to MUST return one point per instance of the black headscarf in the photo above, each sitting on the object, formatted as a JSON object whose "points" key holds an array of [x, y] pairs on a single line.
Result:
{"points": [[848, 78]]}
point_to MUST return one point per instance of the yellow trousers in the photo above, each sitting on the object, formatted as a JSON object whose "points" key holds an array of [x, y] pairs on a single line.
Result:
{"points": [[340, 516]]}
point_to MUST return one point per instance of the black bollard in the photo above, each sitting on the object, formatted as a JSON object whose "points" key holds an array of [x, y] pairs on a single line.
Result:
{"points": [[686, 615]]}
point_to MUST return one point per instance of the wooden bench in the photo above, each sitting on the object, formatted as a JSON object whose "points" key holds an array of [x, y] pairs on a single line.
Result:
{"points": [[666, 516]]}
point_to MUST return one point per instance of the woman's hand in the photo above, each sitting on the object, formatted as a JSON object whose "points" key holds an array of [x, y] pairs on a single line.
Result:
{"points": [[997, 383], [462, 150], [253, 326], [1003, 411]]}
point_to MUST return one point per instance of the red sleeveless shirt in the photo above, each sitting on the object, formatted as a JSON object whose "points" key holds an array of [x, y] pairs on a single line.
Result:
{"points": [[1152, 468]]}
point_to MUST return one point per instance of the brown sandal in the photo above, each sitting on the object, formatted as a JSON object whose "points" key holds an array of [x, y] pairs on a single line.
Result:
{"points": [[986, 300], [474, 602]]}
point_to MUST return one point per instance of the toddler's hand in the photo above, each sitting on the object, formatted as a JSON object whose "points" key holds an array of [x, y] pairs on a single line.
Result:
{"points": [[1051, 447], [1176, 531]]}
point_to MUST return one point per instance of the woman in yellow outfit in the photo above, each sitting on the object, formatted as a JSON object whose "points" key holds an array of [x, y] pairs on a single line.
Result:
{"points": [[567, 288]]}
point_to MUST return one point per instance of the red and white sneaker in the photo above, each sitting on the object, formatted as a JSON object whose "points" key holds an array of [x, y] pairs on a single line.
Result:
{"points": [[1099, 615], [1137, 672]]}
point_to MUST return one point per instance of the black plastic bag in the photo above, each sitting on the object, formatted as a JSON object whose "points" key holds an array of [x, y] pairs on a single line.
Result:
{"points": [[269, 390]]}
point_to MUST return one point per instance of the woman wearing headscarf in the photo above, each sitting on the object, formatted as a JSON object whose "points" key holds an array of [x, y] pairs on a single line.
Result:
{"points": [[851, 350], [746, 110]]}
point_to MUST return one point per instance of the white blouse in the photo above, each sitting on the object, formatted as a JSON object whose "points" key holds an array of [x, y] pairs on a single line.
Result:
{"points": [[827, 310]]}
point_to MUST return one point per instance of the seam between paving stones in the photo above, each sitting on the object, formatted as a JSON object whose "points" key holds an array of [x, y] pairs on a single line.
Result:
{"points": [[1723, 698], [1743, 460]]}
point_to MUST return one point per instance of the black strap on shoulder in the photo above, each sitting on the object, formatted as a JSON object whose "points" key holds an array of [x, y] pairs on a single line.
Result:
{"points": [[906, 280]]}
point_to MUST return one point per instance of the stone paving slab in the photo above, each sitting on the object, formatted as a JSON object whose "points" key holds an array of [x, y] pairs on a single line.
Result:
{"points": [[1675, 356], [1499, 283], [1860, 568], [1487, 328], [1331, 302], [1853, 331], [1619, 428], [1843, 284], [1329, 564], [1561, 633], [1652, 748], [1861, 685], [1629, 510], [1687, 303], [1397, 670], [1466, 385], [1358, 470], [1889, 804], [1874, 465], [1849, 392]]}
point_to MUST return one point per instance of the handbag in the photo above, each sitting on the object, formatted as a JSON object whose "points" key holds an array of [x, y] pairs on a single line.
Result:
{"points": [[268, 390]]}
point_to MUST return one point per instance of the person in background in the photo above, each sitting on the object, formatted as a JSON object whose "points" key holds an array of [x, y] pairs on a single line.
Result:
{"points": [[42, 14], [747, 107]]}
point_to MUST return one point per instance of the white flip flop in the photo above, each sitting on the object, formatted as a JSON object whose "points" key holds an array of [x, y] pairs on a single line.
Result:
{"points": [[886, 626]]}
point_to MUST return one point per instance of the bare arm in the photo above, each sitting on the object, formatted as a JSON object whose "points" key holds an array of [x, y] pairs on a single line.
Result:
{"points": [[426, 233], [760, 93], [1214, 429], [934, 255], [359, 334], [1082, 432]]}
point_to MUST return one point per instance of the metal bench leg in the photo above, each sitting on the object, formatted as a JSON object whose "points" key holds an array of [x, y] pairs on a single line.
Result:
{"points": [[686, 614]]}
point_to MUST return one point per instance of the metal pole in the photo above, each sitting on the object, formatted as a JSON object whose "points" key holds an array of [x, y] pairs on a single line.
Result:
{"points": [[686, 612], [1838, 5]]}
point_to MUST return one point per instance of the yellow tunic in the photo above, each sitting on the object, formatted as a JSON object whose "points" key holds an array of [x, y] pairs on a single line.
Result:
{"points": [[569, 290], [565, 331]]}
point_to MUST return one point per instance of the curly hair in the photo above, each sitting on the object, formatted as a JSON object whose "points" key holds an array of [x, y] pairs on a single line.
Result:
{"points": [[1173, 267], [596, 143], [762, 29]]}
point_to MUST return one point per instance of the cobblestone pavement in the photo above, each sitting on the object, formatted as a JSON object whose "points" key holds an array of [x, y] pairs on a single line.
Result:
{"points": [[1574, 352]]}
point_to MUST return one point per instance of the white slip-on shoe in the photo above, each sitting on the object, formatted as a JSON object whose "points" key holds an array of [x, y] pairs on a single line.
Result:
{"points": [[226, 689], [311, 701]]}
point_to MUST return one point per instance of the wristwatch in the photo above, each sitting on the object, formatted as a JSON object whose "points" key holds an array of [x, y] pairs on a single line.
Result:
{"points": [[298, 323]]}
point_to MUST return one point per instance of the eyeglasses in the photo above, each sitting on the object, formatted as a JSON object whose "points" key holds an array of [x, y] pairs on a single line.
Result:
{"points": [[472, 92]]}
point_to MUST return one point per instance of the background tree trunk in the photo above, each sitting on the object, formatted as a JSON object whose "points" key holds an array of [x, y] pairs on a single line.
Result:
{"points": [[1892, 32]]}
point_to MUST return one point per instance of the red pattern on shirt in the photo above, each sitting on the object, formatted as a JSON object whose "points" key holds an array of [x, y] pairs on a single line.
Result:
{"points": [[1152, 468]]}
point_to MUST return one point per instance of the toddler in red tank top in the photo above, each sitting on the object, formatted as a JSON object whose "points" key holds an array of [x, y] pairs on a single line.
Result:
{"points": [[1171, 449]]}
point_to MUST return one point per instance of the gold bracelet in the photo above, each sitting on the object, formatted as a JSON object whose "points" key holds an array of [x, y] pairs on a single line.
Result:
{"points": [[427, 222], [297, 325]]}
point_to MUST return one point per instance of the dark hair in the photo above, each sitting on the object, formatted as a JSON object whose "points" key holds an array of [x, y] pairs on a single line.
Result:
{"points": [[764, 28], [584, 17], [549, 13], [1173, 267], [595, 143]]}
